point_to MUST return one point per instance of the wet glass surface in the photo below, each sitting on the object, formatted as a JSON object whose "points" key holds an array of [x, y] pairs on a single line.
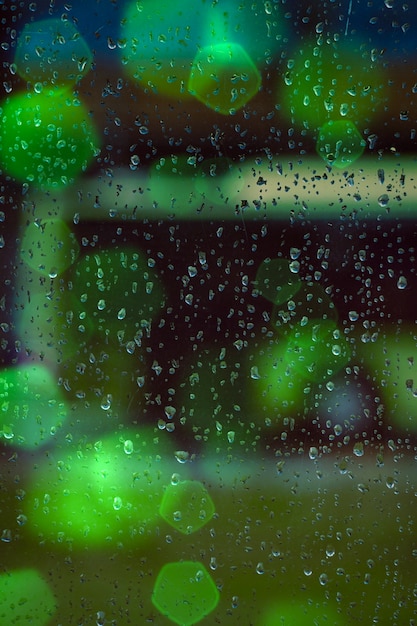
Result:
{"points": [[208, 330]]}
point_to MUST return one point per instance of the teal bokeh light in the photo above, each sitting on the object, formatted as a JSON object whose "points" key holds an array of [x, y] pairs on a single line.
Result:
{"points": [[167, 42], [52, 51]]}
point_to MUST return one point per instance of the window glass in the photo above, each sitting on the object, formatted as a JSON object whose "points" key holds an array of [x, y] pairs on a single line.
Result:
{"points": [[208, 382]]}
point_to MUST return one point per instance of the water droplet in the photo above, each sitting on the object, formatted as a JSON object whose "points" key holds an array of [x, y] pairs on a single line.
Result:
{"points": [[170, 412], [344, 109], [336, 349], [182, 456], [402, 282], [106, 402], [383, 200], [330, 551], [128, 446], [6, 535], [175, 478], [294, 267], [117, 503], [100, 618], [213, 563], [254, 373], [358, 449], [21, 519], [199, 576], [313, 453]]}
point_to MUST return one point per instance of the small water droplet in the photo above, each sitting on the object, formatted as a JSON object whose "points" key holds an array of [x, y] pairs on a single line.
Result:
{"points": [[254, 373], [106, 402], [313, 453], [336, 349], [175, 479], [402, 282], [170, 412], [358, 449], [383, 200], [330, 551], [128, 446], [117, 503], [182, 456]]}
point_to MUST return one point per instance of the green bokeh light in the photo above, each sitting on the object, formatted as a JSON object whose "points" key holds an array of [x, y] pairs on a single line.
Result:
{"points": [[49, 247], [46, 138], [282, 374], [32, 409], [317, 350], [119, 291], [25, 598], [164, 39], [276, 387], [310, 302], [275, 281], [185, 592], [104, 493], [333, 80], [52, 51], [187, 506], [339, 143], [224, 77]]}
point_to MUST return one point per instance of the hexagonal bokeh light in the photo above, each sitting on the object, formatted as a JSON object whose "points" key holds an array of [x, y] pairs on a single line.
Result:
{"points": [[187, 506], [185, 592]]}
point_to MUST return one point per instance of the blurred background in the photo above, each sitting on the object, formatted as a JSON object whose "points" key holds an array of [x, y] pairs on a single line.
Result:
{"points": [[208, 312]]}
